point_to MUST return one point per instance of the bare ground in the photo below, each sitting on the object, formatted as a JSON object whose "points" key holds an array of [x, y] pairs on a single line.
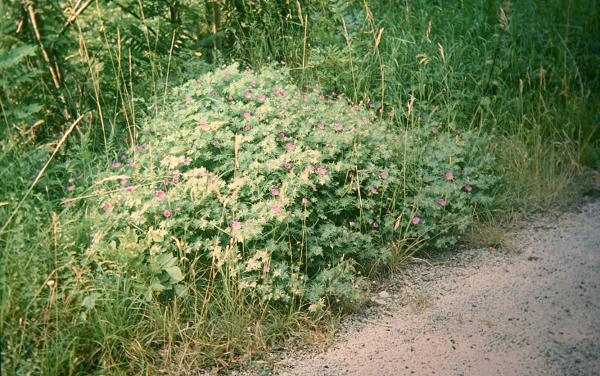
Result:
{"points": [[533, 309]]}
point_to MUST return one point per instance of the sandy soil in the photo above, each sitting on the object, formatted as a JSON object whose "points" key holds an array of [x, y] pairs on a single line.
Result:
{"points": [[531, 310]]}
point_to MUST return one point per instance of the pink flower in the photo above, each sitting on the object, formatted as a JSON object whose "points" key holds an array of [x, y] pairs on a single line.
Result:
{"points": [[248, 95], [290, 147], [123, 157], [275, 192], [287, 166], [266, 269], [117, 165], [161, 194], [321, 97], [381, 110], [282, 93], [304, 200], [186, 161], [449, 176], [253, 83], [175, 180], [247, 115], [442, 201], [468, 187], [167, 213], [247, 127], [214, 93], [262, 98], [338, 127], [375, 225], [130, 189], [384, 175], [132, 164], [236, 226], [124, 181], [276, 90], [311, 168], [321, 126], [374, 191], [304, 97], [106, 207], [282, 62], [71, 187], [321, 170], [276, 208], [416, 220], [248, 69]]}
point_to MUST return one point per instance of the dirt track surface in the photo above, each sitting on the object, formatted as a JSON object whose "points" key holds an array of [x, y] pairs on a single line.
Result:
{"points": [[531, 310]]}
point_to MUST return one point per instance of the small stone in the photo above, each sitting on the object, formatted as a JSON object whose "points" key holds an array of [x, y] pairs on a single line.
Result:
{"points": [[384, 295]]}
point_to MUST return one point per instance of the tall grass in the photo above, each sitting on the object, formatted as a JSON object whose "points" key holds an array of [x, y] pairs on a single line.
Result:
{"points": [[524, 72]]}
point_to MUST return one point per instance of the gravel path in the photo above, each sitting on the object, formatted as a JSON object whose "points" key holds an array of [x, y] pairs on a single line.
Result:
{"points": [[534, 310]]}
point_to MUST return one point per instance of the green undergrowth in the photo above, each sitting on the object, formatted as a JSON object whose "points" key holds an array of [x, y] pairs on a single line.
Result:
{"points": [[248, 208], [201, 215]]}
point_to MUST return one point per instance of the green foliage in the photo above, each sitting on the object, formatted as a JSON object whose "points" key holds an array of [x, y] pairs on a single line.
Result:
{"points": [[503, 96], [285, 192]]}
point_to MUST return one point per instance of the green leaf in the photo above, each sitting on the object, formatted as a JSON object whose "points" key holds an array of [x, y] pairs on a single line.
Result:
{"points": [[166, 260], [175, 273], [181, 291], [15, 56], [90, 301]]}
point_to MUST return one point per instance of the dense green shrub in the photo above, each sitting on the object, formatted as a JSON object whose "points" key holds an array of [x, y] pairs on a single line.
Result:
{"points": [[288, 193]]}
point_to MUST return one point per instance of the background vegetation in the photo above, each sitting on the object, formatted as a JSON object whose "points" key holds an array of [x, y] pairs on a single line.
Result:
{"points": [[511, 86]]}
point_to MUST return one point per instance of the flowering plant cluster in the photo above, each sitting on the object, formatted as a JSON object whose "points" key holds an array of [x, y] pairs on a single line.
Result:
{"points": [[288, 192]]}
